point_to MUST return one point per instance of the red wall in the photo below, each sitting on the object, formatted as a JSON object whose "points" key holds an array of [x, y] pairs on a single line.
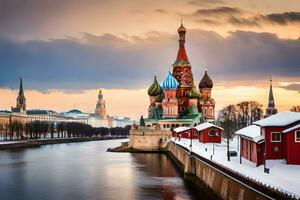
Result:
{"points": [[204, 137], [252, 151], [271, 154], [293, 148]]}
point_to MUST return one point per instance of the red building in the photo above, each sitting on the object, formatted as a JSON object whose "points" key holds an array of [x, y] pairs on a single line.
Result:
{"points": [[205, 132], [278, 137], [209, 133], [252, 144], [185, 132]]}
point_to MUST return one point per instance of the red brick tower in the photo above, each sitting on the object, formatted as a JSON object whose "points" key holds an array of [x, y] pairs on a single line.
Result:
{"points": [[182, 71]]}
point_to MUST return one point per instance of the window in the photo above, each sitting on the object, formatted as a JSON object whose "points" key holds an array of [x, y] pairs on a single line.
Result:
{"points": [[213, 133], [297, 136], [275, 137]]}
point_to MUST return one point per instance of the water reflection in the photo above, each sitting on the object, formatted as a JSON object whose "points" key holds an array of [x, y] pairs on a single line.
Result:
{"points": [[87, 171]]}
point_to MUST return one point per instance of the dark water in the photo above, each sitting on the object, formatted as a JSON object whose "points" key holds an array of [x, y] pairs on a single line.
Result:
{"points": [[86, 171]]}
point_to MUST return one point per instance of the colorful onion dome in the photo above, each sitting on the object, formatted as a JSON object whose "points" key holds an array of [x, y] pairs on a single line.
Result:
{"points": [[155, 88], [206, 81], [159, 98], [170, 83], [193, 93], [181, 29]]}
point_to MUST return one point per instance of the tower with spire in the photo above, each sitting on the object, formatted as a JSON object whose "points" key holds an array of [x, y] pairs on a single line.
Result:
{"points": [[21, 100], [100, 110], [182, 72], [271, 109]]}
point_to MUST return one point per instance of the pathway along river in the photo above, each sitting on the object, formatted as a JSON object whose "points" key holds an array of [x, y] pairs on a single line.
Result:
{"points": [[86, 171]]}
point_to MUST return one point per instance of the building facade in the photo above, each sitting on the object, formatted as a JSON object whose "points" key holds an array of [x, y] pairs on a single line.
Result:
{"points": [[272, 138]]}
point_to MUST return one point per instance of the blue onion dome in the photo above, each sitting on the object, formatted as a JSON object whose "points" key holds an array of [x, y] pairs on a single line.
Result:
{"points": [[193, 93], [170, 83], [206, 81], [155, 88]]}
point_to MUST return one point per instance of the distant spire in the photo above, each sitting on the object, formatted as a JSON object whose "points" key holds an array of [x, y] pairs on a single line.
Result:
{"points": [[21, 86], [271, 103]]}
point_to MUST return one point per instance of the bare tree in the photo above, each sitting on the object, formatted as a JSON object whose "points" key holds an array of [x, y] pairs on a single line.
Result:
{"points": [[228, 121], [295, 108]]}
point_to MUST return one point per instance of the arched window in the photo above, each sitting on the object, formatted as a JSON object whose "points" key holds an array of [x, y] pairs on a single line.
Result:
{"points": [[204, 111], [213, 133]]}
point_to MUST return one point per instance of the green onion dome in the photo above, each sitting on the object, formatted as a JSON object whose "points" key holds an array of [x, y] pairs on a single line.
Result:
{"points": [[159, 98], [193, 93], [155, 88]]}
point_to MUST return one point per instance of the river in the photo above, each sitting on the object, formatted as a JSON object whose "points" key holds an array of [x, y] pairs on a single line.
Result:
{"points": [[86, 171]]}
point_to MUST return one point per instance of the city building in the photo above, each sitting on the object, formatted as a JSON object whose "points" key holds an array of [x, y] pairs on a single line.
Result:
{"points": [[176, 101], [271, 138], [97, 119]]}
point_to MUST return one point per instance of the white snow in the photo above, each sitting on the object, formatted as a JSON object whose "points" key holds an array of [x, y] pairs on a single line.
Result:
{"points": [[206, 125], [180, 129], [283, 177], [291, 129], [252, 132], [279, 119]]}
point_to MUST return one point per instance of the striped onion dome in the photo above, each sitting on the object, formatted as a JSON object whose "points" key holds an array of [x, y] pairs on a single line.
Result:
{"points": [[155, 88], [170, 83]]}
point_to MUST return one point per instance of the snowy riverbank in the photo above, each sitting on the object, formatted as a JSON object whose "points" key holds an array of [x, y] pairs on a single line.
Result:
{"points": [[283, 177]]}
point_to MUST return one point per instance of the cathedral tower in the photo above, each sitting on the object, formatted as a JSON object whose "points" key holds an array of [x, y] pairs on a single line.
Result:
{"points": [[100, 107], [182, 72], [21, 100], [271, 109]]}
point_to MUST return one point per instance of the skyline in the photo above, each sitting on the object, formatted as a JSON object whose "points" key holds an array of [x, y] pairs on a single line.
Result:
{"points": [[62, 56]]}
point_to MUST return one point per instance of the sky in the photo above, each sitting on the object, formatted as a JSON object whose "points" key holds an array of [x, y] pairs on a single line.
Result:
{"points": [[66, 50]]}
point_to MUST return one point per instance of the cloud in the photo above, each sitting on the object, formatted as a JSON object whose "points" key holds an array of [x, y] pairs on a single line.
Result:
{"points": [[283, 18], [160, 11], [292, 87], [243, 18], [112, 62], [205, 2], [219, 11]]}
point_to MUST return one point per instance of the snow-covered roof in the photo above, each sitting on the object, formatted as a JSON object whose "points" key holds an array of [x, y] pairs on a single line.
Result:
{"points": [[206, 125], [180, 129], [279, 119], [252, 132], [291, 129]]}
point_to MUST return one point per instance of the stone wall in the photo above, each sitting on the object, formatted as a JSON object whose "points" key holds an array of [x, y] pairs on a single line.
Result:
{"points": [[148, 138], [224, 183]]}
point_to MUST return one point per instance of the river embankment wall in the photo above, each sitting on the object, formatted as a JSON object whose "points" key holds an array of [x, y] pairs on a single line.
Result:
{"points": [[218, 180]]}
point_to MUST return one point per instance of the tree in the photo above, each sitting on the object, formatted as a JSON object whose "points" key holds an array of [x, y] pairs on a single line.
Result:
{"points": [[295, 108], [142, 121], [248, 112], [228, 121]]}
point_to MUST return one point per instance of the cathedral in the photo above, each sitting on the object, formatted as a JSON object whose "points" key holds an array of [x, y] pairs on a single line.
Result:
{"points": [[177, 101]]}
